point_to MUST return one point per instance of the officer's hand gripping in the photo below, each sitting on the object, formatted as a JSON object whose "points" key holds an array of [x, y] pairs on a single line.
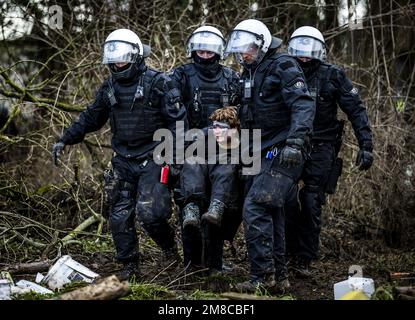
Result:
{"points": [[291, 154], [364, 159], [56, 152]]}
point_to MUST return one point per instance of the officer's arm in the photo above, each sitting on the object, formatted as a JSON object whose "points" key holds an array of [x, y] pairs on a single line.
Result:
{"points": [[236, 98], [172, 108], [296, 96], [178, 80], [350, 102], [91, 119]]}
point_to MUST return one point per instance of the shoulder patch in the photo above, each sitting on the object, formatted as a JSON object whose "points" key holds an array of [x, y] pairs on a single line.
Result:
{"points": [[354, 91], [287, 64]]}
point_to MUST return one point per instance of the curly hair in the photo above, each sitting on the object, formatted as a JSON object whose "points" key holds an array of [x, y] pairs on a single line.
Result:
{"points": [[226, 114]]}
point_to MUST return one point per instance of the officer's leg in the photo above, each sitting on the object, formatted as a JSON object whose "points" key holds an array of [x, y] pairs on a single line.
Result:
{"points": [[194, 193], [122, 218], [259, 233], [213, 246], [154, 207], [292, 213], [122, 224], [312, 198]]}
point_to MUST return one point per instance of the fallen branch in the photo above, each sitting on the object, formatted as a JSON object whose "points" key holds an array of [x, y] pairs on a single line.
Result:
{"points": [[405, 290], [405, 297], [32, 267], [109, 288], [88, 222], [398, 276]]}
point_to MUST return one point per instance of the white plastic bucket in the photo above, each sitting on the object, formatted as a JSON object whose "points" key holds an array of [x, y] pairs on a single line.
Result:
{"points": [[366, 285], [67, 270]]}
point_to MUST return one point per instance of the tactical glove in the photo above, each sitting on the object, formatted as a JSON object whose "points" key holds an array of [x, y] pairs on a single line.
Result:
{"points": [[364, 159], [56, 152], [291, 154]]}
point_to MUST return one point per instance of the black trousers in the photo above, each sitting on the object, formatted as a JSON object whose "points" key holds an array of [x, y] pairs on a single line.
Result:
{"points": [[264, 217], [141, 194], [201, 183], [304, 222]]}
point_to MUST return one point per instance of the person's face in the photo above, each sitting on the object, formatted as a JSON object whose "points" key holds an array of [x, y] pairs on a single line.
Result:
{"points": [[220, 131], [205, 54], [119, 65], [304, 59], [250, 56]]}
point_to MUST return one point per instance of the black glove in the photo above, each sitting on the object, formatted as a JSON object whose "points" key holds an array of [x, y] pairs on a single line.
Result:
{"points": [[364, 159], [56, 151], [291, 154]]}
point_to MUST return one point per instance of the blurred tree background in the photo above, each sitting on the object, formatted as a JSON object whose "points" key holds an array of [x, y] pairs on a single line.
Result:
{"points": [[50, 70]]}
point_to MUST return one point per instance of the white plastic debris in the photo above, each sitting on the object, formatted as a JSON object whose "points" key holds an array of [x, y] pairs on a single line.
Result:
{"points": [[67, 270], [6, 284], [39, 277], [5, 289], [366, 285], [31, 286]]}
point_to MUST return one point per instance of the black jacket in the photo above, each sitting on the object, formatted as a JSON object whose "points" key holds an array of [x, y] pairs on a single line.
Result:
{"points": [[331, 89], [280, 104], [160, 107]]}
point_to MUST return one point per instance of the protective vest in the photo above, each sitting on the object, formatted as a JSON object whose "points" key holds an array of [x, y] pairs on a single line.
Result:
{"points": [[323, 91], [132, 114], [263, 105], [205, 95]]}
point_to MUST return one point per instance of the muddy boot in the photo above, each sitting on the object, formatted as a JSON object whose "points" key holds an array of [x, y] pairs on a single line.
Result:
{"points": [[301, 268], [130, 271], [191, 216], [267, 283], [214, 213]]}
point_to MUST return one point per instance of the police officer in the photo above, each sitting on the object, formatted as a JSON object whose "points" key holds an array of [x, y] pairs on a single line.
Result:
{"points": [[205, 86], [277, 102], [330, 88], [138, 100]]}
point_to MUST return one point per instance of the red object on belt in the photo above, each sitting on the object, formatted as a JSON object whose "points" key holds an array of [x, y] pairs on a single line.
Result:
{"points": [[164, 177]]}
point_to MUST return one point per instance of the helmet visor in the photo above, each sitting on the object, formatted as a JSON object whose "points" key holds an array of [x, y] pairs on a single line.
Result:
{"points": [[206, 41], [119, 51], [306, 47], [243, 42]]}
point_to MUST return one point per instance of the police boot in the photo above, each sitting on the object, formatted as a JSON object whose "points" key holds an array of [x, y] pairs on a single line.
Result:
{"points": [[214, 213], [130, 271], [266, 283], [191, 215]]}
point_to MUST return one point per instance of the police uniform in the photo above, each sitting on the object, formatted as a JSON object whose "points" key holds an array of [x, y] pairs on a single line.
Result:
{"points": [[136, 108], [277, 102], [331, 89]]}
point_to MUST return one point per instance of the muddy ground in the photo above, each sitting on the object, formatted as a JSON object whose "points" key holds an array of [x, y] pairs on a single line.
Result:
{"points": [[376, 260]]}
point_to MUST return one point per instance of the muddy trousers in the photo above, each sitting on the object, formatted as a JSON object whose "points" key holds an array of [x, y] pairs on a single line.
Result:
{"points": [[264, 218], [141, 195], [200, 183], [303, 224]]}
